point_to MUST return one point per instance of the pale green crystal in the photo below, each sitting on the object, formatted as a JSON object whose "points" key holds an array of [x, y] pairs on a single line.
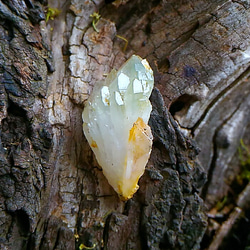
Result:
{"points": [[109, 115]]}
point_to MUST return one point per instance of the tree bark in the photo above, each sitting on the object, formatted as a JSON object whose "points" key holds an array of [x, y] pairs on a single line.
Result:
{"points": [[53, 193]]}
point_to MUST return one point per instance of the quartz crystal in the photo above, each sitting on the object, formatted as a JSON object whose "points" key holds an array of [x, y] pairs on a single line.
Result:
{"points": [[115, 124]]}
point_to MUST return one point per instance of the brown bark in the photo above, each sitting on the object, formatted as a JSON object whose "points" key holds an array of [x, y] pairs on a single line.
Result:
{"points": [[53, 193]]}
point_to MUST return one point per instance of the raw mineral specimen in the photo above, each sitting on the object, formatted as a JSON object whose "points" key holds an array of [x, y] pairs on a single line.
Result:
{"points": [[115, 124]]}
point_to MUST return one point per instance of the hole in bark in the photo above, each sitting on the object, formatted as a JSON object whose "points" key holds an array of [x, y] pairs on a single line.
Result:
{"points": [[23, 224], [182, 104], [16, 110], [163, 65]]}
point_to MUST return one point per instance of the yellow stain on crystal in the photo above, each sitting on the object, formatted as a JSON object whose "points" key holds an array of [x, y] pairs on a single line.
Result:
{"points": [[141, 138], [139, 149], [93, 144], [128, 195]]}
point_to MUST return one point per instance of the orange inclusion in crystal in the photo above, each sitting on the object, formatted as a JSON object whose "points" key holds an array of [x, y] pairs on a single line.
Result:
{"points": [[140, 142], [138, 126], [93, 144]]}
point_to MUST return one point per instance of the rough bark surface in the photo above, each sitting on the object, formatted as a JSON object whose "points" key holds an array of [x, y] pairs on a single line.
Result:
{"points": [[53, 194]]}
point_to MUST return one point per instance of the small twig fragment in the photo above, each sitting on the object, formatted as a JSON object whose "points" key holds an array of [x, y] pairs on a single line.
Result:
{"points": [[82, 246], [96, 17], [126, 42], [52, 13]]}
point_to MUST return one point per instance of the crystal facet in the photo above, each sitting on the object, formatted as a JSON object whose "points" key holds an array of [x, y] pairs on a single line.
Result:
{"points": [[115, 124]]}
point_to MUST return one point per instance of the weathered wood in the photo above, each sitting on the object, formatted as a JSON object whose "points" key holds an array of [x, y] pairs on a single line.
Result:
{"points": [[53, 194]]}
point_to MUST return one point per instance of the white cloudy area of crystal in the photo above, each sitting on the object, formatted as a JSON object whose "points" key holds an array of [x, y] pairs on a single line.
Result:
{"points": [[137, 86], [105, 95], [115, 124], [123, 82]]}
